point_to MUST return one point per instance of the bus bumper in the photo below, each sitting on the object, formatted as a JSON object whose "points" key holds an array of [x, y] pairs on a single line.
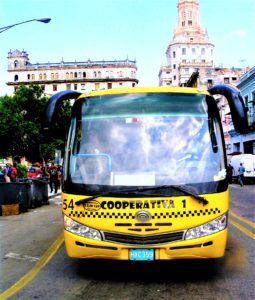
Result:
{"points": [[212, 246]]}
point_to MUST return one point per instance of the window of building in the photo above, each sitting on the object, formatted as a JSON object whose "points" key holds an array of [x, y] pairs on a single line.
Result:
{"points": [[84, 74], [68, 86], [193, 50], [43, 87], [33, 76], [95, 74], [174, 66], [174, 54], [75, 75], [99, 74], [109, 85], [40, 76], [120, 83], [52, 76], [54, 87], [75, 87], [16, 64], [44, 76], [226, 80], [174, 77], [189, 22], [236, 147], [67, 75], [209, 83], [203, 51], [71, 75], [56, 75], [28, 76], [186, 71], [83, 86], [183, 51], [97, 86], [16, 77], [133, 84]]}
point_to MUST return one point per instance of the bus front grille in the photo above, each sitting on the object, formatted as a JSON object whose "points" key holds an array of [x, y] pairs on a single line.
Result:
{"points": [[129, 239]]}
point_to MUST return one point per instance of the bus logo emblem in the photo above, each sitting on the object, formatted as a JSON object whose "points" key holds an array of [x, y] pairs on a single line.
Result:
{"points": [[143, 216]]}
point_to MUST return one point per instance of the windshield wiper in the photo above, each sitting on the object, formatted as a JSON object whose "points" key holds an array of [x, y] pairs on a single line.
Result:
{"points": [[142, 189]]}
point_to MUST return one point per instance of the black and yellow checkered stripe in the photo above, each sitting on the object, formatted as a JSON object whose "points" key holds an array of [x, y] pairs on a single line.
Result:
{"points": [[130, 216]]}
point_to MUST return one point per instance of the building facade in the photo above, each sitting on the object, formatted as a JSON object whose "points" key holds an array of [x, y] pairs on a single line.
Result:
{"points": [[83, 76], [245, 143]]}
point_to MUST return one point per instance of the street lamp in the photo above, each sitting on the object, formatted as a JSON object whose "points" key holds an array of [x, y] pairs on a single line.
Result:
{"points": [[43, 20]]}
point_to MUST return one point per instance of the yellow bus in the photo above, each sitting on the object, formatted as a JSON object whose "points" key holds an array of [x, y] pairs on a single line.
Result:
{"points": [[145, 172]]}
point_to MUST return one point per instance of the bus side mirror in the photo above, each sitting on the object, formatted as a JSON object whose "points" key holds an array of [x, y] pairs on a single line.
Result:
{"points": [[236, 104], [53, 104]]}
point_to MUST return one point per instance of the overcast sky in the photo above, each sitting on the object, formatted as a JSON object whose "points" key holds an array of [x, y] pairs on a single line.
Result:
{"points": [[117, 29]]}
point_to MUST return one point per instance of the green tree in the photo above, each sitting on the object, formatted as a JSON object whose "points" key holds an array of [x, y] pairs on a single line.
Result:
{"points": [[21, 132]]}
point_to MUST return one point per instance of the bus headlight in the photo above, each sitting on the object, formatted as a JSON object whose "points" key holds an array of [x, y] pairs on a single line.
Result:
{"points": [[207, 229], [79, 229]]}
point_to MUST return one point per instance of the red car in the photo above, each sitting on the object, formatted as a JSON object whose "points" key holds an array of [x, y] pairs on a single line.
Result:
{"points": [[34, 172]]}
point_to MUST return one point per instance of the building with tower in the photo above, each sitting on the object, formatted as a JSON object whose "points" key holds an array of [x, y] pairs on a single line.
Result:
{"points": [[190, 49]]}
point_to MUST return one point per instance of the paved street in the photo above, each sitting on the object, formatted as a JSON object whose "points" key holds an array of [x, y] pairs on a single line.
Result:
{"points": [[32, 246]]}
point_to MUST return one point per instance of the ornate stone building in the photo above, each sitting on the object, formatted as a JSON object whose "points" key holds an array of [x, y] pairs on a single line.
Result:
{"points": [[190, 49], [82, 76]]}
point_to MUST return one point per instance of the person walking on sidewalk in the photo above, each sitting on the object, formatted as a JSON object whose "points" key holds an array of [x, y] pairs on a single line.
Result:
{"points": [[241, 171], [53, 178]]}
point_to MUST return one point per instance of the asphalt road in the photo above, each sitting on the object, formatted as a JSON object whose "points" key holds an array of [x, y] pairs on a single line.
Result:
{"points": [[34, 265]]}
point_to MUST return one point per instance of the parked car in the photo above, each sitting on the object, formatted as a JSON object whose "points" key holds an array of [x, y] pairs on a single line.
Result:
{"points": [[34, 172]]}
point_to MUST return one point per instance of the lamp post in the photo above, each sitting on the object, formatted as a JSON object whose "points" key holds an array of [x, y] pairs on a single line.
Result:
{"points": [[43, 20]]}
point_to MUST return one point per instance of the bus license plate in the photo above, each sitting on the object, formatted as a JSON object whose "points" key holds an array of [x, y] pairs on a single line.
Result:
{"points": [[141, 254]]}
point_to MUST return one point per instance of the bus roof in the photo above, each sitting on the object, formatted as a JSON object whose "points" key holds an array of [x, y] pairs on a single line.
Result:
{"points": [[136, 90]]}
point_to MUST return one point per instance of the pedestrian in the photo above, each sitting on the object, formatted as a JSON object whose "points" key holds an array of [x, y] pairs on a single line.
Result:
{"points": [[44, 172], [53, 178], [241, 171], [7, 173], [59, 172], [13, 172], [230, 170]]}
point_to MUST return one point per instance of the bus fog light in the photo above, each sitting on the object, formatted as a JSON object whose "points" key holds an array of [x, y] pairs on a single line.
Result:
{"points": [[79, 229], [208, 228]]}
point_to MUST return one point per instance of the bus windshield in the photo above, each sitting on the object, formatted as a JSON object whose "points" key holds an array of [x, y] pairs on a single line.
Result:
{"points": [[144, 140]]}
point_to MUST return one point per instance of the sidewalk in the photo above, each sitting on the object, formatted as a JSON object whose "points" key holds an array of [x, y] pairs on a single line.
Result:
{"points": [[51, 195]]}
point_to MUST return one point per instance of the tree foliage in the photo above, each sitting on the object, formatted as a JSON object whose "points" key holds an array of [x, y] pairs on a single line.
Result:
{"points": [[21, 133]]}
